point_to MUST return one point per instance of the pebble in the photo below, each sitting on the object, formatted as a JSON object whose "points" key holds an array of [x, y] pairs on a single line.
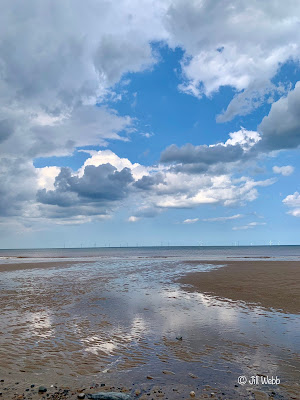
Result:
{"points": [[149, 377], [137, 392], [42, 389], [192, 394], [81, 396], [168, 372]]}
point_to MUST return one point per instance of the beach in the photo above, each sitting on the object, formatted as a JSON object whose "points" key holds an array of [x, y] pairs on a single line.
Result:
{"points": [[150, 325], [270, 284]]}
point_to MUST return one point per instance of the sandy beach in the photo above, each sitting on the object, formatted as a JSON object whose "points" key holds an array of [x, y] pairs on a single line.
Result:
{"points": [[151, 327], [270, 284]]}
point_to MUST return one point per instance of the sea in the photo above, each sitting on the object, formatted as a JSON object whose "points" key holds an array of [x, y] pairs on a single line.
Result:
{"points": [[271, 252]]}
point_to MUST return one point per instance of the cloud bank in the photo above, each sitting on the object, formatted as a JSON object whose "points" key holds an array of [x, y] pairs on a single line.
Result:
{"points": [[59, 61]]}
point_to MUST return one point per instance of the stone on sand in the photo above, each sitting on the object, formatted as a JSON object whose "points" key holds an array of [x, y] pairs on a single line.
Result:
{"points": [[168, 372], [42, 389]]}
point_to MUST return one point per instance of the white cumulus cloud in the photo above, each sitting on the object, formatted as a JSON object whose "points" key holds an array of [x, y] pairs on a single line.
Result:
{"points": [[285, 170], [293, 202]]}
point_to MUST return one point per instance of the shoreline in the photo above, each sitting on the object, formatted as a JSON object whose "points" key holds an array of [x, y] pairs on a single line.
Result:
{"points": [[269, 284]]}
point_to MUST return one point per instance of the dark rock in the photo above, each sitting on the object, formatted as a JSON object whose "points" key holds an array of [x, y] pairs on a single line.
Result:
{"points": [[81, 396], [42, 389], [32, 386]]}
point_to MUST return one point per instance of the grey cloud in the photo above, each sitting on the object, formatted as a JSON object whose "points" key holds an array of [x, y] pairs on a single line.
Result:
{"points": [[6, 129], [57, 60], [147, 182], [52, 53], [40, 135], [103, 183], [56, 198], [200, 168], [86, 125], [250, 99], [281, 128], [17, 185], [94, 192], [203, 155], [114, 52], [73, 213]]}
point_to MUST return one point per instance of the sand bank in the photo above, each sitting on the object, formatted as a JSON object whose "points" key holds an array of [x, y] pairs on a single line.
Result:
{"points": [[39, 264], [270, 284]]}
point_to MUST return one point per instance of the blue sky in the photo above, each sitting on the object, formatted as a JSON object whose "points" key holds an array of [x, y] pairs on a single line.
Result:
{"points": [[151, 129]]}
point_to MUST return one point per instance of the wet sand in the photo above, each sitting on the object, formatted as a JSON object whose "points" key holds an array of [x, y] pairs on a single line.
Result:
{"points": [[72, 326], [270, 284], [37, 264]]}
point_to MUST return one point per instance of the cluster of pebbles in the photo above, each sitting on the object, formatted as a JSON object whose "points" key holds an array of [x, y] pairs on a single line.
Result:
{"points": [[107, 392]]}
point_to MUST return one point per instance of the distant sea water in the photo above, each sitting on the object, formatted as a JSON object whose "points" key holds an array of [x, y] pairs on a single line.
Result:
{"points": [[169, 252]]}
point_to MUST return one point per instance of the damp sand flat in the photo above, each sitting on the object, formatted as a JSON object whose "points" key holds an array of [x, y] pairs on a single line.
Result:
{"points": [[271, 284], [37, 264], [81, 324]]}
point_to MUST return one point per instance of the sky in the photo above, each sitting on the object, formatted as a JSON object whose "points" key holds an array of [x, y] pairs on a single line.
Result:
{"points": [[143, 122]]}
